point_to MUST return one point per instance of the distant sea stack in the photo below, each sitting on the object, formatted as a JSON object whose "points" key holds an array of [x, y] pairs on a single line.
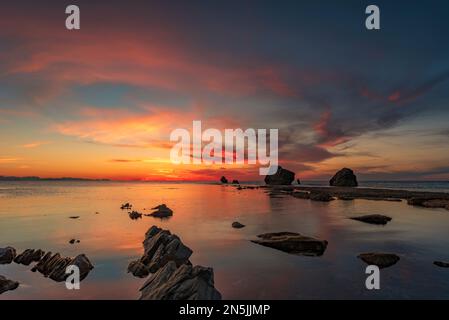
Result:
{"points": [[281, 177], [344, 178], [223, 179]]}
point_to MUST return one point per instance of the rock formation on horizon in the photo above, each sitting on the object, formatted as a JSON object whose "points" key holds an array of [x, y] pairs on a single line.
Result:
{"points": [[223, 179], [281, 177], [344, 178]]}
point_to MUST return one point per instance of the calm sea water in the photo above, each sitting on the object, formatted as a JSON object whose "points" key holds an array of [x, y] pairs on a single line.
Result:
{"points": [[35, 215]]}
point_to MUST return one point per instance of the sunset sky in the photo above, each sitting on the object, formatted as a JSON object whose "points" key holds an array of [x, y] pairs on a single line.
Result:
{"points": [[101, 102]]}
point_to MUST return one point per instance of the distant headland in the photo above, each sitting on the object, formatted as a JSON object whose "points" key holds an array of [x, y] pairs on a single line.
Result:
{"points": [[32, 178]]}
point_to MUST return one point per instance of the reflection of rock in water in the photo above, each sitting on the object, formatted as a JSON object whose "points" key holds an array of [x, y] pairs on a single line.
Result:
{"points": [[382, 260], [373, 219], [293, 243]]}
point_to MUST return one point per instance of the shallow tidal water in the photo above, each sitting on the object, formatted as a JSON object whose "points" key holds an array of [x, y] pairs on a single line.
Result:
{"points": [[36, 215]]}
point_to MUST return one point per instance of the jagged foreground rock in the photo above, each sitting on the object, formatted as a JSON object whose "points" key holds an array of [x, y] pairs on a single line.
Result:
{"points": [[293, 243], [29, 256], [7, 255], [172, 275], [54, 266], [7, 285], [180, 283], [160, 247]]}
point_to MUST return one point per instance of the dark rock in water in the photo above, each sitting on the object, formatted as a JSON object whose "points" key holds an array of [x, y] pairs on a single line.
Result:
{"points": [[73, 241], [162, 211], [298, 181], [160, 247], [441, 264], [301, 195], [180, 283], [281, 177], [29, 256], [74, 217], [134, 215], [7, 255], [7, 285], [382, 260], [239, 188], [223, 180], [54, 266], [235, 182], [237, 225], [344, 178], [126, 206], [293, 243], [429, 202], [373, 219], [346, 198], [320, 196], [138, 269]]}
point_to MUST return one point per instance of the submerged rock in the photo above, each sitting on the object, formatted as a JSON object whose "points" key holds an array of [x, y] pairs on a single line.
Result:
{"points": [[320, 196], [441, 264], [54, 266], [382, 260], [7, 255], [293, 243], [223, 180], [429, 203], [180, 283], [235, 182], [74, 217], [162, 211], [134, 215], [281, 177], [7, 285], [160, 247], [373, 219], [29, 256], [344, 178], [237, 225], [301, 194]]}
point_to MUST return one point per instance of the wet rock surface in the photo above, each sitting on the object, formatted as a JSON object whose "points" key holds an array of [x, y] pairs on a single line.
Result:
{"points": [[382, 260], [54, 266], [281, 177], [320, 196], [344, 178], [7, 285], [293, 243], [29, 256], [7, 255], [373, 219], [180, 283]]}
